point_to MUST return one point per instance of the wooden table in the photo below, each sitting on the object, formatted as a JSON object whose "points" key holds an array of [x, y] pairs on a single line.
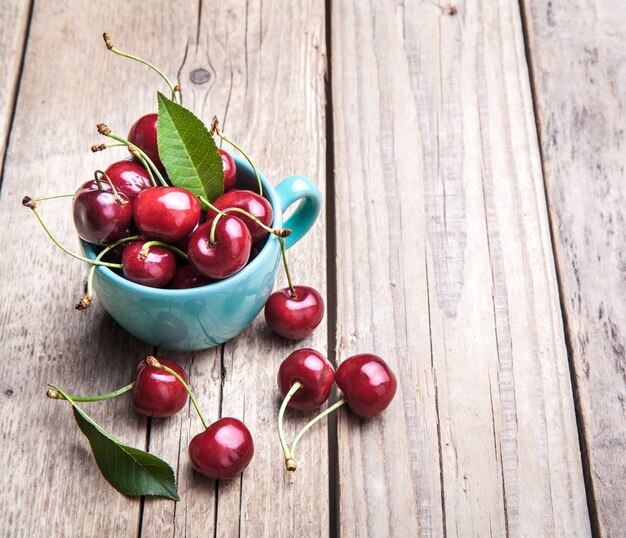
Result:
{"points": [[471, 156]]}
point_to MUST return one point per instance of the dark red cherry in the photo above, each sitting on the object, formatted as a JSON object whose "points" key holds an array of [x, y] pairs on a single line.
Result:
{"points": [[294, 318], [368, 384], [129, 178], [223, 450], [158, 393], [100, 217], [154, 270], [230, 170], [251, 202], [187, 277], [227, 255], [314, 371], [167, 214], [143, 134]]}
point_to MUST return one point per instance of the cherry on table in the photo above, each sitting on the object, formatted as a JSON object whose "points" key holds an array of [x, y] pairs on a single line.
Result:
{"points": [[223, 450], [155, 269], [230, 170], [143, 134], [368, 384], [129, 178], [294, 318], [167, 214], [251, 202], [157, 393], [313, 371]]}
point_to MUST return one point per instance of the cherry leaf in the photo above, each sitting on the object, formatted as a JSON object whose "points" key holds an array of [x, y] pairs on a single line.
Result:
{"points": [[188, 151]]}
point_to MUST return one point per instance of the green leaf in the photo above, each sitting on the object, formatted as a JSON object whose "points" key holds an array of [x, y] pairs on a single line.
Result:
{"points": [[129, 470], [188, 151]]}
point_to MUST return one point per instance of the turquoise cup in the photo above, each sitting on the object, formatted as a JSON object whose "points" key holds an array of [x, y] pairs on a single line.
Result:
{"points": [[200, 318]]}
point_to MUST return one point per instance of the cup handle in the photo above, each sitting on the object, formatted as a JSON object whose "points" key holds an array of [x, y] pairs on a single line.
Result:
{"points": [[291, 190]]}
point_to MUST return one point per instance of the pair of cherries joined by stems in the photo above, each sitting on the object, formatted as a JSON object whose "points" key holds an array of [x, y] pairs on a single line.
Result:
{"points": [[305, 379], [160, 389]]}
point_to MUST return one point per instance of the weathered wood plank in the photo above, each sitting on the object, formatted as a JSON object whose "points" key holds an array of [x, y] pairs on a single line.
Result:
{"points": [[51, 484], [14, 25], [577, 59], [445, 269], [261, 70]]}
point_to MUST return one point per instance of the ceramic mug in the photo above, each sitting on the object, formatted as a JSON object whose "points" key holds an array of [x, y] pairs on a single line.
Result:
{"points": [[200, 318]]}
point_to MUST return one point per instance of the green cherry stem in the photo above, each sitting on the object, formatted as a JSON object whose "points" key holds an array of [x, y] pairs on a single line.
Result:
{"points": [[107, 41], [55, 393], [116, 196], [145, 249], [136, 154], [328, 411], [290, 463], [215, 129], [101, 147], [52, 197], [153, 361], [27, 201], [283, 255]]}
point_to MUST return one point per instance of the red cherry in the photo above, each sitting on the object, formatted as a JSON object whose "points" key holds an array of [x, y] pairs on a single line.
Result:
{"points": [[314, 371], [99, 217], [368, 384], [128, 178], [223, 450], [187, 277], [251, 202], [155, 270], [227, 255], [166, 213], [143, 134], [158, 393], [230, 170], [294, 318]]}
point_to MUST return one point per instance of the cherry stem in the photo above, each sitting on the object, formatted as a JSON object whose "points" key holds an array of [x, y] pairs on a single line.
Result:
{"points": [[105, 131], [52, 197], [215, 129], [55, 394], [145, 249], [116, 196], [28, 202], [283, 254], [101, 147], [136, 154], [311, 423], [110, 46], [153, 361], [290, 463], [85, 301]]}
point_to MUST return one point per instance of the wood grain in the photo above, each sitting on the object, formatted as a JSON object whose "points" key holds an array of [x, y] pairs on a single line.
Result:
{"points": [[14, 23], [445, 269], [578, 64], [261, 69]]}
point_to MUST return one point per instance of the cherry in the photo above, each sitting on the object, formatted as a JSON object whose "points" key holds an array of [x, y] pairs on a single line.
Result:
{"points": [[166, 213], [154, 270], [101, 217], [187, 277], [368, 384], [143, 134], [230, 170], [313, 371], [294, 317], [251, 202], [157, 393], [223, 450], [129, 178], [229, 252]]}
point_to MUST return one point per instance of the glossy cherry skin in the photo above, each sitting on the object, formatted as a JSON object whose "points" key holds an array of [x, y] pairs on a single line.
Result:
{"points": [[368, 384], [167, 214], [251, 202], [230, 170], [223, 450], [227, 255], [155, 271], [129, 178], [158, 393], [143, 134], [294, 318], [98, 217], [314, 371], [187, 277]]}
